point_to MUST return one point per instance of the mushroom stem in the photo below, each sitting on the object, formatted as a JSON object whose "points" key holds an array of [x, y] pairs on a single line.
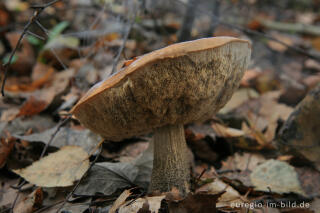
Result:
{"points": [[170, 164]]}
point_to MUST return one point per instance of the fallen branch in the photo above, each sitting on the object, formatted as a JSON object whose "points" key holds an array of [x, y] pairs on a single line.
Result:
{"points": [[291, 27]]}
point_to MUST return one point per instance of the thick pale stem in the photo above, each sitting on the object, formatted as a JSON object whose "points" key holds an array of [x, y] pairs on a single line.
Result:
{"points": [[170, 164]]}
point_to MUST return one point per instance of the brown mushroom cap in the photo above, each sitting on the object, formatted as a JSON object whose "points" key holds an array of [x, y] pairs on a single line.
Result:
{"points": [[178, 84]]}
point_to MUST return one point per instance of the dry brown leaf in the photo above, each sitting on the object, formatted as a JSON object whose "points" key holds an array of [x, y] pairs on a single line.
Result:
{"points": [[152, 204], [267, 81], [255, 25], [9, 114], [312, 64], [316, 43], [32, 86], [249, 76], [262, 115], [245, 161], [276, 45], [224, 131], [238, 98], [32, 106], [6, 146], [30, 203], [231, 197], [120, 201], [4, 16], [61, 168], [300, 134], [196, 203], [39, 100], [311, 81]]}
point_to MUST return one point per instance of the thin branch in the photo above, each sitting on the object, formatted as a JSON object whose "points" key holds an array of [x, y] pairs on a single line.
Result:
{"points": [[38, 10], [78, 183], [35, 35], [44, 6], [116, 61], [61, 124]]}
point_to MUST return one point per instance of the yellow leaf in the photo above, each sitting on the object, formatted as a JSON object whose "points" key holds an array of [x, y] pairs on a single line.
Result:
{"points": [[61, 168]]}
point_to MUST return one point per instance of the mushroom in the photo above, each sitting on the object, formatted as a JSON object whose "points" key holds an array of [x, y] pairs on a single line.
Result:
{"points": [[160, 92]]}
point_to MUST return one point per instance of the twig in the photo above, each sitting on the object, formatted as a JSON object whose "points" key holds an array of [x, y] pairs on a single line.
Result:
{"points": [[291, 27], [38, 10], [78, 183], [61, 124], [116, 61]]}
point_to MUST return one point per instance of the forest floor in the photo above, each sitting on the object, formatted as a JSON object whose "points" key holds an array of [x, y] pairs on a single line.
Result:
{"points": [[259, 153]]}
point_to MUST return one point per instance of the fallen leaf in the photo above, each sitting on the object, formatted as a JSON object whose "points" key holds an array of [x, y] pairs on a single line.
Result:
{"points": [[65, 136], [312, 64], [7, 193], [120, 201], [255, 25], [242, 162], [311, 81], [277, 177], [107, 178], [239, 166], [316, 43], [267, 81], [31, 107], [148, 204], [9, 114], [230, 198], [6, 146], [262, 115], [238, 98], [249, 76], [61, 168], [224, 131], [36, 84], [46, 95], [196, 203], [283, 38], [31, 203], [21, 125], [310, 180], [299, 135]]}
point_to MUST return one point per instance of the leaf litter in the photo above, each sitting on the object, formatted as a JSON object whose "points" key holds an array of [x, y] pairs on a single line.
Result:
{"points": [[236, 155]]}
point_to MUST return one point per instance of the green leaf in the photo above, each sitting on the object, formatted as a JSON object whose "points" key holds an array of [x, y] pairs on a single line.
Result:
{"points": [[57, 30], [34, 40]]}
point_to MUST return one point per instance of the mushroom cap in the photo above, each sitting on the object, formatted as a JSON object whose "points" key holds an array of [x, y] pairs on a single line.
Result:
{"points": [[178, 84]]}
